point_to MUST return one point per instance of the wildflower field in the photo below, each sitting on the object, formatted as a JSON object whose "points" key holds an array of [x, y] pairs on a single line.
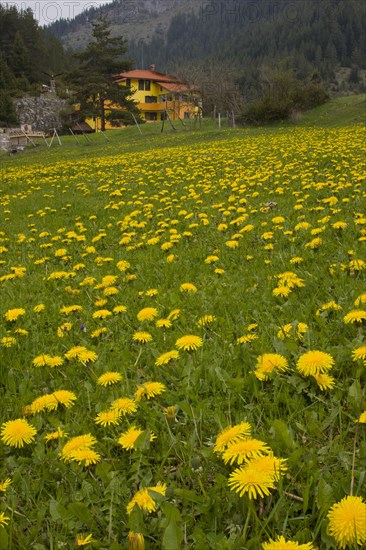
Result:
{"points": [[183, 344]]}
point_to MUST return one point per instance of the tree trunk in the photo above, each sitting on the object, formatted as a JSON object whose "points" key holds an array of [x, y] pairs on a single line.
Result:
{"points": [[102, 115]]}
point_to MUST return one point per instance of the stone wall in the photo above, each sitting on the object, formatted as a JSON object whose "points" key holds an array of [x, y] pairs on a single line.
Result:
{"points": [[42, 113]]}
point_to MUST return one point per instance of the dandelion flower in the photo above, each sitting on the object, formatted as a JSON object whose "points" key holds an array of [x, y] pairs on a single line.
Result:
{"points": [[8, 341], [38, 308], [347, 521], [142, 337], [313, 363], [147, 314], [109, 378], [17, 432], [4, 485], [362, 418], [359, 354], [167, 357], [206, 320], [174, 315], [144, 500], [149, 389], [269, 363], [163, 323], [361, 299], [282, 291], [101, 314], [281, 544], [189, 342], [83, 541], [79, 442], [246, 338], [188, 287], [85, 455], [128, 439], [324, 381], [119, 309], [249, 480], [58, 434], [230, 435], [13, 314], [4, 520], [111, 417], [245, 450], [124, 405], [356, 316], [41, 360], [136, 541]]}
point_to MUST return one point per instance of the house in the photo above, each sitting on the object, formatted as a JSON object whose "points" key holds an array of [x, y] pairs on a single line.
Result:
{"points": [[157, 94]]}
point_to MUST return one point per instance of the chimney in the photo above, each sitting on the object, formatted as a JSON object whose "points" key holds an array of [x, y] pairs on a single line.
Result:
{"points": [[152, 67]]}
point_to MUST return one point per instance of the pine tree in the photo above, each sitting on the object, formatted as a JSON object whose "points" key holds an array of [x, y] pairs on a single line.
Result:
{"points": [[94, 81]]}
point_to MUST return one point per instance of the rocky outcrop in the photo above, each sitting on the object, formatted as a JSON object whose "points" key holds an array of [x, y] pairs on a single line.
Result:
{"points": [[41, 113]]}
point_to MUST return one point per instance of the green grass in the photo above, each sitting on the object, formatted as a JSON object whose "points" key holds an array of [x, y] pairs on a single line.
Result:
{"points": [[228, 211]]}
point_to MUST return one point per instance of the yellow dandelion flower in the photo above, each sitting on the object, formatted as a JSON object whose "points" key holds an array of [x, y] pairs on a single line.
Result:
{"points": [[174, 315], [109, 378], [85, 456], [163, 323], [357, 265], [13, 314], [245, 450], [270, 363], [219, 271], [147, 314], [356, 316], [211, 259], [324, 381], [189, 342], [362, 418], [248, 479], [128, 439], [81, 540], [119, 309], [281, 544], [142, 337], [41, 360], [282, 291], [5, 484], [167, 357], [98, 332], [79, 442], [314, 362], [329, 306], [144, 500], [123, 265], [124, 405], [136, 541], [231, 435], [101, 302], [58, 434], [21, 331], [8, 341], [4, 520], [101, 314], [71, 309], [246, 338], [16, 433], [111, 417], [38, 308], [347, 522], [206, 320], [64, 397], [188, 287], [63, 329], [149, 389], [361, 299]]}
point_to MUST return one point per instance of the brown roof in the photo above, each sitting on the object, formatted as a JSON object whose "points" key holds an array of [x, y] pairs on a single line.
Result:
{"points": [[174, 86], [148, 75]]}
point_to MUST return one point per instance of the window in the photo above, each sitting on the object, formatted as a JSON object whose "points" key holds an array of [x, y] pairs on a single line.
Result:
{"points": [[151, 116], [151, 99], [147, 85], [141, 84], [186, 114]]}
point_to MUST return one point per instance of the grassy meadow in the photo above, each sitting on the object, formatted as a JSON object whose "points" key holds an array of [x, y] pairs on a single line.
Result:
{"points": [[183, 339]]}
